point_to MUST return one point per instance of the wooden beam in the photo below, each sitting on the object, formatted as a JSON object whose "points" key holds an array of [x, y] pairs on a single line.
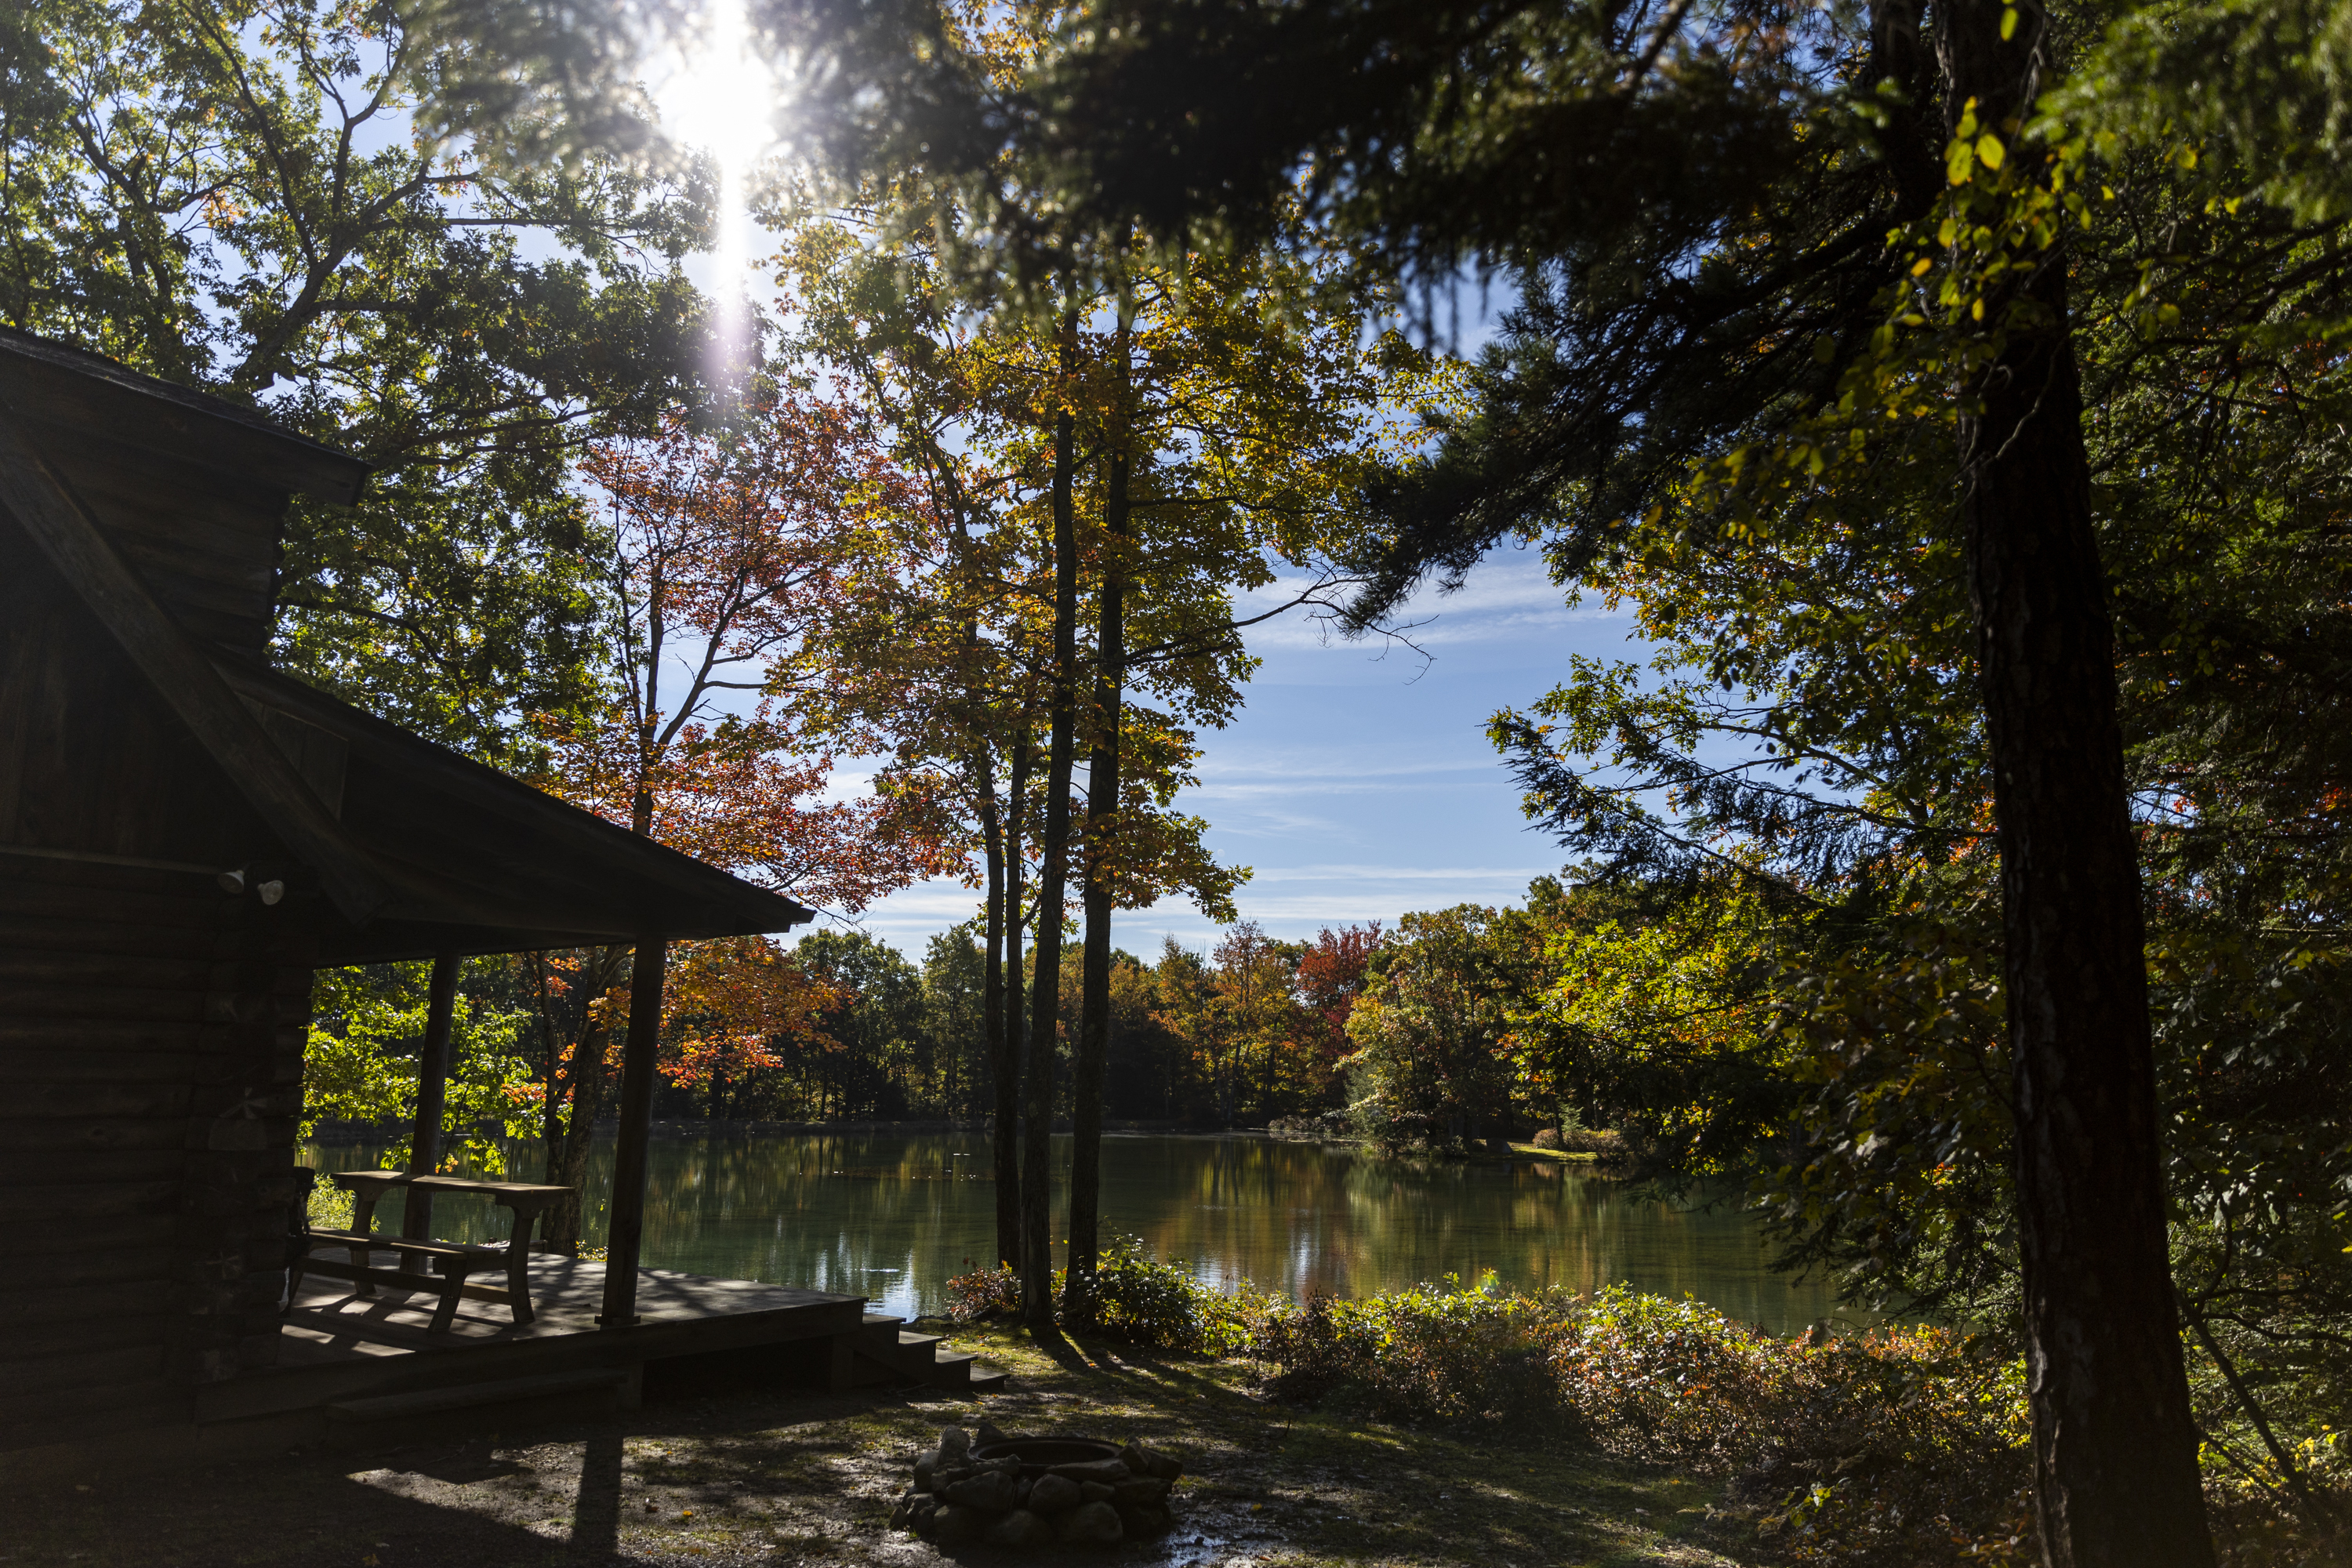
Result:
{"points": [[626, 1234], [432, 1093], [46, 508]]}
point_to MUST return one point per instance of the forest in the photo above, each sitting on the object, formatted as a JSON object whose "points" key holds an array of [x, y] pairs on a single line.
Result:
{"points": [[1953, 393], [1252, 1030]]}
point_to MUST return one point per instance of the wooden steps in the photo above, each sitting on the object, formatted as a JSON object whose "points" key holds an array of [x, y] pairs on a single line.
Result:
{"points": [[887, 1351]]}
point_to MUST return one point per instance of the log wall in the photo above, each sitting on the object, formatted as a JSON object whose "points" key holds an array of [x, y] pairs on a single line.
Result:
{"points": [[150, 1024], [150, 1059]]}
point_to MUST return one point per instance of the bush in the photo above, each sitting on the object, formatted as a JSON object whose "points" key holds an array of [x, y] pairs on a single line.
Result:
{"points": [[1900, 1445], [1431, 1354], [984, 1293], [1161, 1305], [330, 1207], [1141, 1301], [1548, 1138]]}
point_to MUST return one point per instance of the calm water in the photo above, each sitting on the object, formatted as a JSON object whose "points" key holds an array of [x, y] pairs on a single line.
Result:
{"points": [[892, 1218]]}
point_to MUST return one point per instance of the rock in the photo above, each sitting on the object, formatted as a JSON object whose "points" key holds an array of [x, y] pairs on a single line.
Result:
{"points": [[994, 1491], [1092, 1524], [986, 1435], [1007, 1466], [1132, 1457], [922, 1515], [1142, 1492], [1104, 1470], [1094, 1492], [1157, 1465], [1148, 1519], [1020, 1491], [955, 1444], [945, 1476], [925, 1463], [958, 1526], [1056, 1494], [1020, 1529]]}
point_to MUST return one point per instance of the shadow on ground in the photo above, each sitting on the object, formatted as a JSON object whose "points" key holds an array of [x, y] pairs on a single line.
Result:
{"points": [[774, 1478]]}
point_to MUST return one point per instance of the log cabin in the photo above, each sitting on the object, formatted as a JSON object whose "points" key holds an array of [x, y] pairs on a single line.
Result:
{"points": [[185, 834]]}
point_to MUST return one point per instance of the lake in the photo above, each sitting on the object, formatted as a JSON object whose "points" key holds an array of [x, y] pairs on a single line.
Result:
{"points": [[892, 1218]]}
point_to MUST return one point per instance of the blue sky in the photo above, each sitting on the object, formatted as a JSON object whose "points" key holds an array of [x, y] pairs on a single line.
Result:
{"points": [[1358, 786]]}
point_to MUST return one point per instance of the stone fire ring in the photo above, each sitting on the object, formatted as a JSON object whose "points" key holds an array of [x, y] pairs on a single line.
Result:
{"points": [[1034, 1492]]}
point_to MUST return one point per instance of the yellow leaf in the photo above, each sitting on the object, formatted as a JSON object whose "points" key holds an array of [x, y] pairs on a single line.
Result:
{"points": [[1921, 267], [2008, 22], [1976, 311], [1989, 151]]}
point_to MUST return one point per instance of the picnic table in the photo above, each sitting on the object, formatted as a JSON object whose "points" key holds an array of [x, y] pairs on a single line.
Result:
{"points": [[421, 1260]]}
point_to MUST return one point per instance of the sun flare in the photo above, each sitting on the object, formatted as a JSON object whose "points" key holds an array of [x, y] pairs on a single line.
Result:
{"points": [[720, 99]]}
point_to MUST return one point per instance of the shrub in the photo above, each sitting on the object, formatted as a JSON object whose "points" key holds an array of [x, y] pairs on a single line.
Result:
{"points": [[984, 1293], [329, 1208], [1137, 1298], [1444, 1353], [1548, 1137], [1901, 1446], [1161, 1305]]}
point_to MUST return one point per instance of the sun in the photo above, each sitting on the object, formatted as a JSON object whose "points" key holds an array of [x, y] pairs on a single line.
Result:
{"points": [[721, 96], [720, 99]]}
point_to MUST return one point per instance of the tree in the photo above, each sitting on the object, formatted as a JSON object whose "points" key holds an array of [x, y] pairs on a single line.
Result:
{"points": [[728, 552], [366, 1028], [738, 1005], [1331, 974], [874, 1036], [226, 194], [955, 996], [1433, 1028]]}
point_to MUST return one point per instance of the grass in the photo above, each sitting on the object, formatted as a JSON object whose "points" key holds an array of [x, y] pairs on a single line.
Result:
{"points": [[773, 1478]]}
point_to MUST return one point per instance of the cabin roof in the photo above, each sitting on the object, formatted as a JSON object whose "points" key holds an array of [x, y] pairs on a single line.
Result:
{"points": [[474, 860], [418, 848], [57, 382]]}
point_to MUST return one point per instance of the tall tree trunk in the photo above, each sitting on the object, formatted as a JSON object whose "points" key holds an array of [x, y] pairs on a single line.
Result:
{"points": [[1016, 1037], [1053, 850], [2115, 1444], [1003, 1044], [1086, 1068]]}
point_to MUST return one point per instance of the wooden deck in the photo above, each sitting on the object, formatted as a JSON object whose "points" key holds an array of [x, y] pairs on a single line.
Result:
{"points": [[331, 1321], [337, 1348]]}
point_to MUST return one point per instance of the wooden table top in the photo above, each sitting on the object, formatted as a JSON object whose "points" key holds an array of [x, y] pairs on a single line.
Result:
{"points": [[501, 1190]]}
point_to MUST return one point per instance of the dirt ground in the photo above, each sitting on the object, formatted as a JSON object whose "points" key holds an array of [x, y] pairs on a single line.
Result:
{"points": [[782, 1478]]}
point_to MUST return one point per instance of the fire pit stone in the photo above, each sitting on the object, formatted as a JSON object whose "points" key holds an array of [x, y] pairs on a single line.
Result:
{"points": [[1028, 1492]]}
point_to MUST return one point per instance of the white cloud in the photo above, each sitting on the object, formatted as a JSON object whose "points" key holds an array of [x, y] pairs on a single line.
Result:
{"points": [[1510, 597]]}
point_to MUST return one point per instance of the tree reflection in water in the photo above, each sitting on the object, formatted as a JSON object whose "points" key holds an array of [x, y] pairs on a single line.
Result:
{"points": [[892, 1218]]}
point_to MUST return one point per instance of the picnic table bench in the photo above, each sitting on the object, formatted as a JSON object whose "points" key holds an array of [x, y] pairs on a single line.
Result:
{"points": [[431, 1268]]}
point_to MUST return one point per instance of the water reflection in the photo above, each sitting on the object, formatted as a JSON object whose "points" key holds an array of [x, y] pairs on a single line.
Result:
{"points": [[892, 1218]]}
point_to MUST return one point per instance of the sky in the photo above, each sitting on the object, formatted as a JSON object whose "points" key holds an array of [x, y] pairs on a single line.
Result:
{"points": [[1356, 785]]}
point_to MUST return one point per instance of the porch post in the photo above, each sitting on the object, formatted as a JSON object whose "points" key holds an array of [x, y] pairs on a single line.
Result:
{"points": [[432, 1093], [628, 1227]]}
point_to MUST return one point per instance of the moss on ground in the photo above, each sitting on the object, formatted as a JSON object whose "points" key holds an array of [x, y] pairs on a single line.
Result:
{"points": [[782, 1478]]}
